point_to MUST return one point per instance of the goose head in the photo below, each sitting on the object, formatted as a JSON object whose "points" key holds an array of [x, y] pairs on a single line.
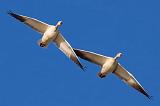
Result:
{"points": [[118, 56], [59, 23]]}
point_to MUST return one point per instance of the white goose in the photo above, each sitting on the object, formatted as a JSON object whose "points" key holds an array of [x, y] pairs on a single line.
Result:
{"points": [[50, 33], [111, 65]]}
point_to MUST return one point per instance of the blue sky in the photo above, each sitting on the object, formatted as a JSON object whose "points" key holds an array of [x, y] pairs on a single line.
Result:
{"points": [[33, 76]]}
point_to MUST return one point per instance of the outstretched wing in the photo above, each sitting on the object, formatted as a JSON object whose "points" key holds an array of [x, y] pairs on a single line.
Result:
{"points": [[90, 56], [129, 79], [65, 47], [31, 22]]}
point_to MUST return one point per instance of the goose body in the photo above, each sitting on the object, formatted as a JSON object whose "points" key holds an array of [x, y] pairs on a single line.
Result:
{"points": [[50, 33], [111, 65], [108, 67]]}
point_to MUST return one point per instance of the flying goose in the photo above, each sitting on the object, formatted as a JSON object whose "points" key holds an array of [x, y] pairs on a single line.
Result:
{"points": [[111, 65], [50, 33]]}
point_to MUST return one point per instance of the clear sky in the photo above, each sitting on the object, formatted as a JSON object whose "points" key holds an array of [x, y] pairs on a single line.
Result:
{"points": [[33, 76]]}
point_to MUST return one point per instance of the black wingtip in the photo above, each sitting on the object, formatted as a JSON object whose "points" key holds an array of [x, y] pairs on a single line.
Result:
{"points": [[20, 18], [78, 53], [83, 68], [146, 94], [149, 97], [9, 12]]}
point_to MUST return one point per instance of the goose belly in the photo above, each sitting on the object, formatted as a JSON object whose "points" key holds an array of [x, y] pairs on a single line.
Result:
{"points": [[49, 35], [109, 67]]}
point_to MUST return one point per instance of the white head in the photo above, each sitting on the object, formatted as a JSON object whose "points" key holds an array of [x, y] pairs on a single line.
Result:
{"points": [[59, 23], [118, 55]]}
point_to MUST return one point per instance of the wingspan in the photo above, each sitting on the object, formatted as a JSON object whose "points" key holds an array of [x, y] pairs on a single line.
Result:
{"points": [[129, 79], [65, 47], [90, 56], [37, 25]]}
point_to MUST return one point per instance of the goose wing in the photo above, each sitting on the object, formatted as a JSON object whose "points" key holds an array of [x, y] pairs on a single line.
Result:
{"points": [[37, 25], [65, 47], [91, 56], [128, 78]]}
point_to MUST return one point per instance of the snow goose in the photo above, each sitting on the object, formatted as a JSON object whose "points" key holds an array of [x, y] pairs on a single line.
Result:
{"points": [[50, 33], [111, 65]]}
